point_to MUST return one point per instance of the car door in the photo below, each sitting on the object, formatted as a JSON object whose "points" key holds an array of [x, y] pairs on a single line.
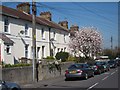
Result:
{"points": [[88, 69]]}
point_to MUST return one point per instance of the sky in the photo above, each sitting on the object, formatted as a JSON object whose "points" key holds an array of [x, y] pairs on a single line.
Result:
{"points": [[102, 15]]}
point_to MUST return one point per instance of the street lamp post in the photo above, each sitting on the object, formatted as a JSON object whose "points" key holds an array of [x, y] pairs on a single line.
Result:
{"points": [[34, 38]]}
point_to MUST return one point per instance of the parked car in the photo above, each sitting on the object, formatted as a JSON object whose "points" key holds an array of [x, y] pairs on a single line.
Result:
{"points": [[112, 63], [9, 86], [97, 67], [118, 62], [80, 70], [105, 65]]}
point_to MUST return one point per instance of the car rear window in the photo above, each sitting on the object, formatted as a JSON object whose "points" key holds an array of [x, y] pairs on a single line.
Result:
{"points": [[111, 61], [76, 66]]}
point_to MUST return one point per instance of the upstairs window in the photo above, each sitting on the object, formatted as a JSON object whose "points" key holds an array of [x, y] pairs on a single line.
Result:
{"points": [[54, 35], [64, 38], [43, 36], [6, 25], [26, 29]]}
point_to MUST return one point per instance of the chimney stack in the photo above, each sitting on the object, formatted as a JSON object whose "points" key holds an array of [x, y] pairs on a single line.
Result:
{"points": [[64, 24], [73, 29], [46, 15], [24, 7]]}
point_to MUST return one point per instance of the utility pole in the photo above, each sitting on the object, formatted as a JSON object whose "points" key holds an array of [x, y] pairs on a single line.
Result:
{"points": [[111, 42], [34, 38], [112, 45]]}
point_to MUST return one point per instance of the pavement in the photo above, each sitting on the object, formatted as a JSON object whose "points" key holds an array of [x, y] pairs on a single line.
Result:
{"points": [[106, 81], [41, 83]]}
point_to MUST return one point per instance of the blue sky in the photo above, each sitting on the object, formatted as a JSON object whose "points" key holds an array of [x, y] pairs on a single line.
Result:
{"points": [[102, 15]]}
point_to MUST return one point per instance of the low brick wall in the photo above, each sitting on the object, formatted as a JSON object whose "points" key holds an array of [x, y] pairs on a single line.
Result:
{"points": [[24, 74]]}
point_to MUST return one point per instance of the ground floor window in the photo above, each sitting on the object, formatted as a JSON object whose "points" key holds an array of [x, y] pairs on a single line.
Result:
{"points": [[26, 51], [8, 49], [43, 51], [38, 52]]}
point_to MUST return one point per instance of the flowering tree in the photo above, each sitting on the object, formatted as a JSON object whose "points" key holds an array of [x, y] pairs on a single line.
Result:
{"points": [[87, 41]]}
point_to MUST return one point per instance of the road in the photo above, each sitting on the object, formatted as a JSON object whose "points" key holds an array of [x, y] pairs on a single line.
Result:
{"points": [[108, 80]]}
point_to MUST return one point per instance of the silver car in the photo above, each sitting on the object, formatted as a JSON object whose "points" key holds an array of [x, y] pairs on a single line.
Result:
{"points": [[78, 71], [9, 86]]}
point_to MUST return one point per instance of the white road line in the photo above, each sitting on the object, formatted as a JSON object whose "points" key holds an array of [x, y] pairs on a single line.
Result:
{"points": [[112, 73], [92, 86], [105, 78], [107, 73]]}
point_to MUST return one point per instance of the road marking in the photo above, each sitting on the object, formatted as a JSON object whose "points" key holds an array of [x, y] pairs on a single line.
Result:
{"points": [[92, 86], [105, 78], [112, 73], [107, 73]]}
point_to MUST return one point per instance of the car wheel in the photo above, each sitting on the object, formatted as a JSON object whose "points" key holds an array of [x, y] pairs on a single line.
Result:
{"points": [[66, 79], [15, 89], [86, 76]]}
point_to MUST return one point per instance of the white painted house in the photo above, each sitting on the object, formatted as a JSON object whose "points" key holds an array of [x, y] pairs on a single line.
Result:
{"points": [[16, 34]]}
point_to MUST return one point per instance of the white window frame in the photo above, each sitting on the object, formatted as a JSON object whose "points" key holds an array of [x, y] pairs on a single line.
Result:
{"points": [[38, 52], [43, 51], [26, 50], [54, 35], [64, 49], [43, 34], [26, 29], [64, 38], [8, 49], [58, 50], [6, 25]]}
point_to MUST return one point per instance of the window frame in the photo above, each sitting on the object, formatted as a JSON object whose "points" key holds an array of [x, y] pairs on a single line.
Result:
{"points": [[26, 50], [54, 35], [26, 29], [8, 49], [64, 38], [6, 25], [43, 34]]}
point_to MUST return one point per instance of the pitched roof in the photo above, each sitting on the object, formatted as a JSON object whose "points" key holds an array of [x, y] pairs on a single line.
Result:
{"points": [[6, 40], [21, 15]]}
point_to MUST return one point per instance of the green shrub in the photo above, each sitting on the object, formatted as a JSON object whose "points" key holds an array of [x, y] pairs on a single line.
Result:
{"points": [[50, 57], [72, 58], [16, 65], [62, 55], [84, 59]]}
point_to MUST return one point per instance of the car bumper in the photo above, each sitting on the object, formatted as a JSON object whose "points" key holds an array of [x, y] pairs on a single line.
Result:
{"points": [[74, 75]]}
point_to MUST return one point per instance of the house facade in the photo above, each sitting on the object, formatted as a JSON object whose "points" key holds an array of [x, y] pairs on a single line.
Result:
{"points": [[16, 34]]}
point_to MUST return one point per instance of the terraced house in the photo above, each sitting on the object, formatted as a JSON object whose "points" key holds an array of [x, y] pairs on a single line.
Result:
{"points": [[16, 34]]}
